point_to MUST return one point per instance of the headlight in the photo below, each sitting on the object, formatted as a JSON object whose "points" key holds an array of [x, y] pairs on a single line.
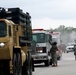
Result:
{"points": [[40, 51], [2, 44]]}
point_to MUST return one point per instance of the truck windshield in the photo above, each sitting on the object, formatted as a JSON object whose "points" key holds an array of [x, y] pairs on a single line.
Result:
{"points": [[2, 29], [39, 37]]}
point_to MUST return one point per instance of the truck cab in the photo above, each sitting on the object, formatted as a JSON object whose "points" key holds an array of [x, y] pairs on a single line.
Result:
{"points": [[41, 40]]}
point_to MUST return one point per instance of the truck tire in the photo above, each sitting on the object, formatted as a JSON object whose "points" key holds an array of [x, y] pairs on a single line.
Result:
{"points": [[27, 66], [47, 63], [4, 67], [17, 64], [33, 69], [50, 61], [58, 58]]}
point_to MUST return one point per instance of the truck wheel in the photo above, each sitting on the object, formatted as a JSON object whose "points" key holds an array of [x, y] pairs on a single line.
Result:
{"points": [[47, 63], [27, 66], [50, 61], [29, 60], [26, 70], [4, 67], [17, 64], [33, 69], [58, 58], [67, 51]]}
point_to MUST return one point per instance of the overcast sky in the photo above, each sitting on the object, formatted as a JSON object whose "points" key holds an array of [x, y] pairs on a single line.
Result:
{"points": [[46, 13]]}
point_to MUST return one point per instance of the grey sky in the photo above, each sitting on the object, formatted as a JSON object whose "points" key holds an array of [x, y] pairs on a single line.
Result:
{"points": [[46, 13]]}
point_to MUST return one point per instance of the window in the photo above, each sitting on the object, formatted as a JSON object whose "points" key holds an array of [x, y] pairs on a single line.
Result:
{"points": [[39, 37], [3, 28], [9, 30]]}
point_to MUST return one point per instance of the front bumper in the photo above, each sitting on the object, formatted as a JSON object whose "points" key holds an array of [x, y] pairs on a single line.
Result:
{"points": [[69, 50], [4, 53]]}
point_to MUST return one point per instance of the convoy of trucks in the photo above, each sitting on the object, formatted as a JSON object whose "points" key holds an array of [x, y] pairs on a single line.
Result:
{"points": [[42, 40], [15, 42], [20, 45]]}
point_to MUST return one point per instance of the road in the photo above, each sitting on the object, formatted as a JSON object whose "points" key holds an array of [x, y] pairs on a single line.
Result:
{"points": [[66, 66]]}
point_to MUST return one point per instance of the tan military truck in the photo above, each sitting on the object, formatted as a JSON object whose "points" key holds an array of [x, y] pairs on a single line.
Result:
{"points": [[15, 42]]}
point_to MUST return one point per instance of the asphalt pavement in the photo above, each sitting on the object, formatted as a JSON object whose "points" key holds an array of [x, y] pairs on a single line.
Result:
{"points": [[66, 66]]}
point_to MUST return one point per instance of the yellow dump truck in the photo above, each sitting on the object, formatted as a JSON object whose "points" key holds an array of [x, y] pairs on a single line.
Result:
{"points": [[15, 42]]}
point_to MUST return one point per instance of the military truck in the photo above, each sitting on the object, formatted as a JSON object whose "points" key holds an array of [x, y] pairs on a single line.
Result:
{"points": [[15, 42]]}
